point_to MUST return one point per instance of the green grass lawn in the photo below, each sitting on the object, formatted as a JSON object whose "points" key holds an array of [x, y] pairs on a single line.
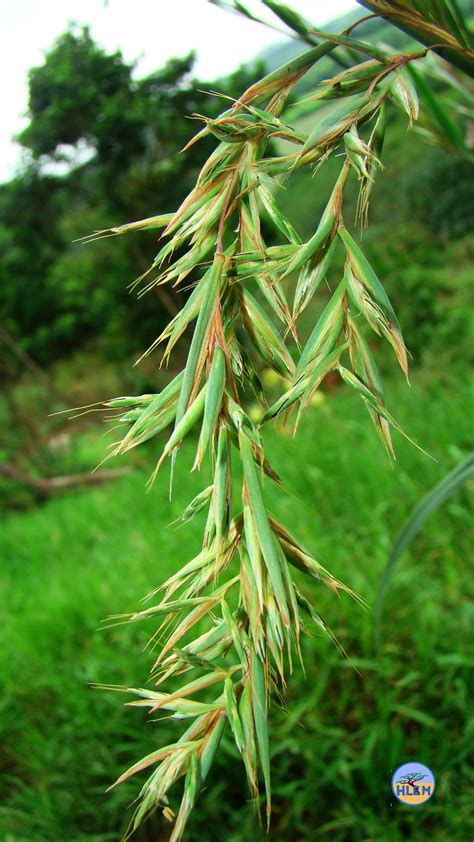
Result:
{"points": [[349, 723]]}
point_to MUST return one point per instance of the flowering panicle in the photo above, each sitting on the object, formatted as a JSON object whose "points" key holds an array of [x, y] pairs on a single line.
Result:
{"points": [[230, 620]]}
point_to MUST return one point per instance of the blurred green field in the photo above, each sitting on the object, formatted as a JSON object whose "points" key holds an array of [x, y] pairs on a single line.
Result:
{"points": [[72, 561]]}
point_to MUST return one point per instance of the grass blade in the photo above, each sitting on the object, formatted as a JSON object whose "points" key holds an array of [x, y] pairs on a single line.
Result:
{"points": [[429, 504]]}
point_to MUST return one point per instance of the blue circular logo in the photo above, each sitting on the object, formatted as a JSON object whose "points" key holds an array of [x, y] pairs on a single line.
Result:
{"points": [[413, 784]]}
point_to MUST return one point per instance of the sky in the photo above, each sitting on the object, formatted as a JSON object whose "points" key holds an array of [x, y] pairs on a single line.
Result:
{"points": [[148, 30]]}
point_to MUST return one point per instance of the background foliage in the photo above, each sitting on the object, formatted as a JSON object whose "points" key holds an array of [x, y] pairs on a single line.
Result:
{"points": [[102, 149]]}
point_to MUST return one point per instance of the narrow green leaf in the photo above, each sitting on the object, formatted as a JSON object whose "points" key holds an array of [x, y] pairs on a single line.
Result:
{"points": [[197, 504], [366, 276], [191, 619], [279, 220], [333, 120], [250, 750], [197, 349], [213, 402], [288, 16], [359, 46], [314, 244], [232, 711], [311, 277], [159, 403], [285, 401], [259, 707], [150, 759], [287, 74], [151, 222], [265, 337], [182, 320], [363, 270], [325, 333], [374, 403], [404, 93], [439, 114], [198, 770], [255, 555], [222, 487], [182, 428], [262, 525], [429, 504], [326, 364], [167, 608]]}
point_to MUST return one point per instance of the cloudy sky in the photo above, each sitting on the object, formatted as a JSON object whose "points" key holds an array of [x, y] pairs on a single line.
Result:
{"points": [[149, 30]]}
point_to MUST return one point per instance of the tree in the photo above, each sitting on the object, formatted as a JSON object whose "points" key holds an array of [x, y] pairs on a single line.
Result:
{"points": [[101, 145], [411, 779], [254, 614], [70, 94]]}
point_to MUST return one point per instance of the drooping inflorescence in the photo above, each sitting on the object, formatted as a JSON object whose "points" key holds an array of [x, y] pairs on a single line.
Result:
{"points": [[230, 619]]}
